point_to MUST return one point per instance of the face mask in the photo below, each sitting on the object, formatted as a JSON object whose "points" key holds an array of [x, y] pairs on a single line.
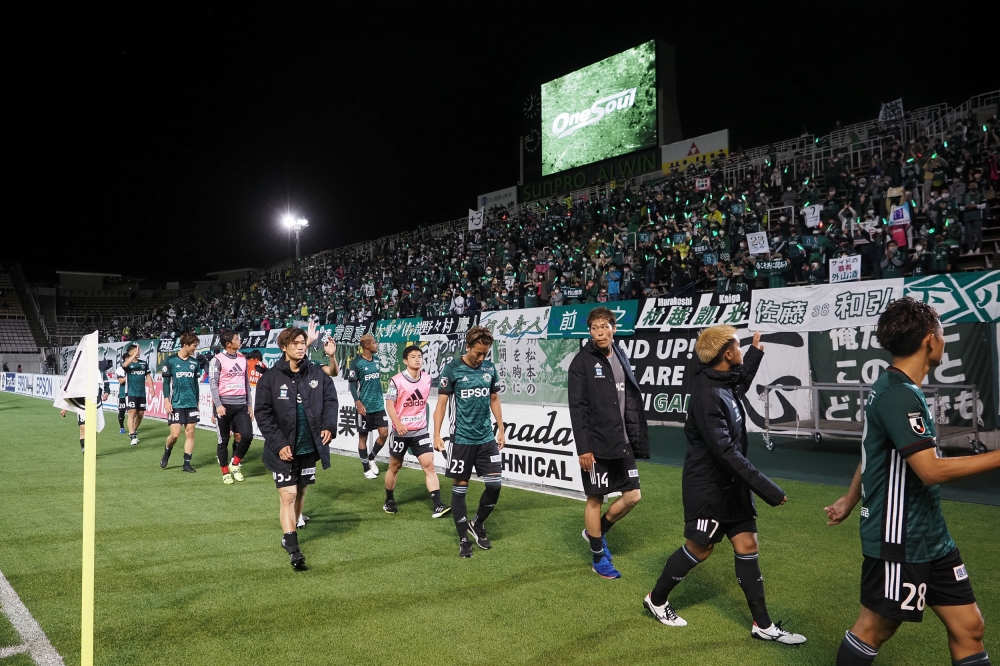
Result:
{"points": [[945, 195]]}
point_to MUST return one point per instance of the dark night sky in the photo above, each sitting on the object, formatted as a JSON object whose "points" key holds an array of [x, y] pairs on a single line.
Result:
{"points": [[165, 140]]}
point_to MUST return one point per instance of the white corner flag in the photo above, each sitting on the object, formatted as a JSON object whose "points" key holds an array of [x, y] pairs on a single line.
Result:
{"points": [[81, 393]]}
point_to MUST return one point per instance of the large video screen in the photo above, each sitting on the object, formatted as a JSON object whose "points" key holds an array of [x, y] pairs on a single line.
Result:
{"points": [[601, 111]]}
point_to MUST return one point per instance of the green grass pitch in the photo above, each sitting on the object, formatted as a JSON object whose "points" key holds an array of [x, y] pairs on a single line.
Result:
{"points": [[189, 571]]}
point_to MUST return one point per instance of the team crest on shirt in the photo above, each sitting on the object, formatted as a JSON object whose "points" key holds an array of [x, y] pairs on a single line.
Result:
{"points": [[313, 384], [165, 369], [486, 376], [444, 382], [917, 423], [598, 370]]}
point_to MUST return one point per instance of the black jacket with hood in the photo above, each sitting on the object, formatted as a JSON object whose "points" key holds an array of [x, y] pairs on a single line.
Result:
{"points": [[275, 410], [594, 410], [718, 480]]}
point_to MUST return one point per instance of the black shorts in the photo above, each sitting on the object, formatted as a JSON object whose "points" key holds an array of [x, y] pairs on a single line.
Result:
{"points": [[708, 531], [611, 475], [462, 458], [372, 421], [900, 591], [303, 472], [121, 401], [418, 445], [80, 418], [135, 402], [183, 416]]}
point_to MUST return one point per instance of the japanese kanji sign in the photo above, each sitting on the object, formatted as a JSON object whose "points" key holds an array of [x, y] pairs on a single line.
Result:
{"points": [[528, 322], [822, 307], [570, 321], [963, 297], [845, 269], [697, 311]]}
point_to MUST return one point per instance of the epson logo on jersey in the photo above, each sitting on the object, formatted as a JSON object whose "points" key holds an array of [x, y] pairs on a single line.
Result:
{"points": [[566, 124], [474, 393], [373, 375], [183, 373]]}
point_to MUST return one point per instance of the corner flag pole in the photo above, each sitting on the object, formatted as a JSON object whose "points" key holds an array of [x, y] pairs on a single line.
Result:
{"points": [[89, 515]]}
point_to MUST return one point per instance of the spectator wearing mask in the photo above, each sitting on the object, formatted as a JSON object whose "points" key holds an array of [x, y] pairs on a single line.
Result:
{"points": [[614, 277], [892, 262], [973, 205]]}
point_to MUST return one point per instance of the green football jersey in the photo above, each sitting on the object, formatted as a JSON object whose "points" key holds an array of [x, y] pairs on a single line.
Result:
{"points": [[470, 390], [135, 382], [901, 519], [183, 374], [366, 383]]}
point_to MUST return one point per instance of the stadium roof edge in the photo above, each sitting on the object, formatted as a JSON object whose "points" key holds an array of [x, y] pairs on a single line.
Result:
{"points": [[231, 270], [117, 275]]}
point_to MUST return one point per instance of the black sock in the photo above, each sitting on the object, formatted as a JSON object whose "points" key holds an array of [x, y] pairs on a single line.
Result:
{"points": [[131, 434], [596, 547], [290, 542], [187, 459], [677, 567], [81, 442], [389, 495], [752, 581], [605, 524], [855, 652], [121, 418], [375, 450], [458, 510], [487, 501], [363, 454], [436, 498], [978, 659], [166, 451]]}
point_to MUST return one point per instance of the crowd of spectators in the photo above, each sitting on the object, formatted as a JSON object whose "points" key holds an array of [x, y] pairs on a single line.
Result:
{"points": [[684, 232]]}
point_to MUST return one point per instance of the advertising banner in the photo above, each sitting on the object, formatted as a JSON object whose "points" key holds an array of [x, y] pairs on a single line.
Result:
{"points": [[529, 322], [506, 197], [8, 382], [570, 321], [852, 355], [822, 307], [532, 370], [696, 311], [959, 297], [845, 269], [699, 150], [45, 386], [24, 384]]}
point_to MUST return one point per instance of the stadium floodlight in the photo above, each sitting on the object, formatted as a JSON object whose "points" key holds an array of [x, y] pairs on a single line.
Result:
{"points": [[296, 224]]}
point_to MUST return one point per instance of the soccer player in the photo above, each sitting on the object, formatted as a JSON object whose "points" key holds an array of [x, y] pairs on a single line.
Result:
{"points": [[331, 368], [81, 419], [406, 403], [470, 385], [718, 481], [910, 559], [122, 407], [366, 389], [136, 380], [296, 410], [606, 410], [229, 381], [180, 398]]}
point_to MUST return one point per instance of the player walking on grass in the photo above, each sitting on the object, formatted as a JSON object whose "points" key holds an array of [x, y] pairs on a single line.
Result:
{"points": [[332, 369], [296, 409], [910, 559], [180, 398], [609, 426], [470, 385], [230, 385], [366, 389], [137, 377], [718, 482], [406, 403], [122, 406]]}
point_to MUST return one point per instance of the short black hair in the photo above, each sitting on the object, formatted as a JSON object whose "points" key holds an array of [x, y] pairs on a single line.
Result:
{"points": [[601, 313], [904, 325], [409, 350], [227, 337]]}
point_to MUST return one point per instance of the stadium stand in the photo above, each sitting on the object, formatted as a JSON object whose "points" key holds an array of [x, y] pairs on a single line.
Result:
{"points": [[814, 198], [15, 331]]}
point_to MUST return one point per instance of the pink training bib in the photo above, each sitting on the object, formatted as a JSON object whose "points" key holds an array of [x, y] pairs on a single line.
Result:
{"points": [[232, 375], [411, 400]]}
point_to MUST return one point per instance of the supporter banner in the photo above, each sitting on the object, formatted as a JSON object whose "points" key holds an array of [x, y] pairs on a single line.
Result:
{"points": [[662, 363], [702, 184], [699, 150], [448, 327], [822, 307], [570, 321], [438, 354], [813, 215], [348, 334], [255, 340], [845, 269], [772, 265], [891, 111], [852, 355], [529, 322], [572, 292], [272, 336], [533, 370], [697, 311], [959, 297], [757, 242], [786, 362], [475, 220], [397, 330], [63, 358], [506, 197]]}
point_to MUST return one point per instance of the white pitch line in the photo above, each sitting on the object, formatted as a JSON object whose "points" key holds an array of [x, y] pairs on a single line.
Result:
{"points": [[36, 643]]}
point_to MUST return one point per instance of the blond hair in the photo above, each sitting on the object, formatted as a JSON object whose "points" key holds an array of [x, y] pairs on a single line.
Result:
{"points": [[366, 337], [712, 341]]}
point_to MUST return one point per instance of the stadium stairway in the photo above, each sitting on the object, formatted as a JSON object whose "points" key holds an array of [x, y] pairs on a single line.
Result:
{"points": [[27, 305]]}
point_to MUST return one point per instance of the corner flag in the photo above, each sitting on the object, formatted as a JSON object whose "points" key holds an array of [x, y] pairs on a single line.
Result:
{"points": [[81, 393]]}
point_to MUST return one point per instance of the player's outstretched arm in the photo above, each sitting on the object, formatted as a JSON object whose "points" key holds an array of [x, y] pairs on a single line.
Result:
{"points": [[838, 512], [933, 470]]}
